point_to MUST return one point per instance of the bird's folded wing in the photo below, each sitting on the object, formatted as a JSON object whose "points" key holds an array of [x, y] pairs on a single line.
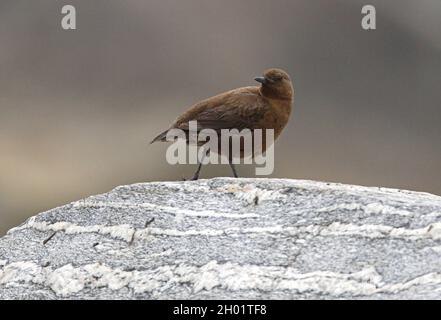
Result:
{"points": [[232, 111]]}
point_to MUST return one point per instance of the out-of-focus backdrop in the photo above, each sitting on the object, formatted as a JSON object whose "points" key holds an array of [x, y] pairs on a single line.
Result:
{"points": [[77, 108]]}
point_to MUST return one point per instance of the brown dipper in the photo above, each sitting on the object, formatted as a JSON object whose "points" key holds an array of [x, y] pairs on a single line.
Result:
{"points": [[267, 106]]}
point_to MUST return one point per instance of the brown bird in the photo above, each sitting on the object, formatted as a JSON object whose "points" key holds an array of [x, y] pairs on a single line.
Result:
{"points": [[267, 106]]}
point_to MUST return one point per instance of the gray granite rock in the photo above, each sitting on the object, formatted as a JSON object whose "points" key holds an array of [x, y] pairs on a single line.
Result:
{"points": [[229, 239]]}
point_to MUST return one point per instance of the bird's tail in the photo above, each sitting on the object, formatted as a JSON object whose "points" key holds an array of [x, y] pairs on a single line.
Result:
{"points": [[160, 137]]}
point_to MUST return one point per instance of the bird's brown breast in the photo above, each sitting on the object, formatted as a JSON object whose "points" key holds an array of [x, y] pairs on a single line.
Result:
{"points": [[276, 117]]}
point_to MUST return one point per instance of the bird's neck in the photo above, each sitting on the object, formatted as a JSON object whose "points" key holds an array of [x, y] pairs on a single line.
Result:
{"points": [[281, 102], [283, 94]]}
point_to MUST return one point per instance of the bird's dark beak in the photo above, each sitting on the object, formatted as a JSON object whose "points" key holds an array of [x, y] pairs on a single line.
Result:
{"points": [[262, 80]]}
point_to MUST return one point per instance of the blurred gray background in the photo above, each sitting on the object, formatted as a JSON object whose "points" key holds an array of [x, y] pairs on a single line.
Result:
{"points": [[77, 108]]}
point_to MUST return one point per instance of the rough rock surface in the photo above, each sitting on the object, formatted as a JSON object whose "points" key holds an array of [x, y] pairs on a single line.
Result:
{"points": [[229, 238]]}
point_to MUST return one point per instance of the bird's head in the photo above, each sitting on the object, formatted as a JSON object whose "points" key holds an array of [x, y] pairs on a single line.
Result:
{"points": [[276, 84]]}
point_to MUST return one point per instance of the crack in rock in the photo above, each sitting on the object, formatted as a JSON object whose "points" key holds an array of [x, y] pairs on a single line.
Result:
{"points": [[128, 233]]}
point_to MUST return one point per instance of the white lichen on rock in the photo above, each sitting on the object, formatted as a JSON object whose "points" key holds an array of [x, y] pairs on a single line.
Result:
{"points": [[68, 280]]}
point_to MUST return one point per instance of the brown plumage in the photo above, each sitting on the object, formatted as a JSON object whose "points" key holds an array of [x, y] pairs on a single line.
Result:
{"points": [[267, 106]]}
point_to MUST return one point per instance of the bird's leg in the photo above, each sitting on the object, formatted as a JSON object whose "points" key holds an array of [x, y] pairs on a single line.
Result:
{"points": [[198, 170], [234, 169], [196, 174]]}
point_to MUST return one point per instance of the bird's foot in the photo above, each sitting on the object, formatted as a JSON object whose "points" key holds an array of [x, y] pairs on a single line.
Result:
{"points": [[194, 178]]}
